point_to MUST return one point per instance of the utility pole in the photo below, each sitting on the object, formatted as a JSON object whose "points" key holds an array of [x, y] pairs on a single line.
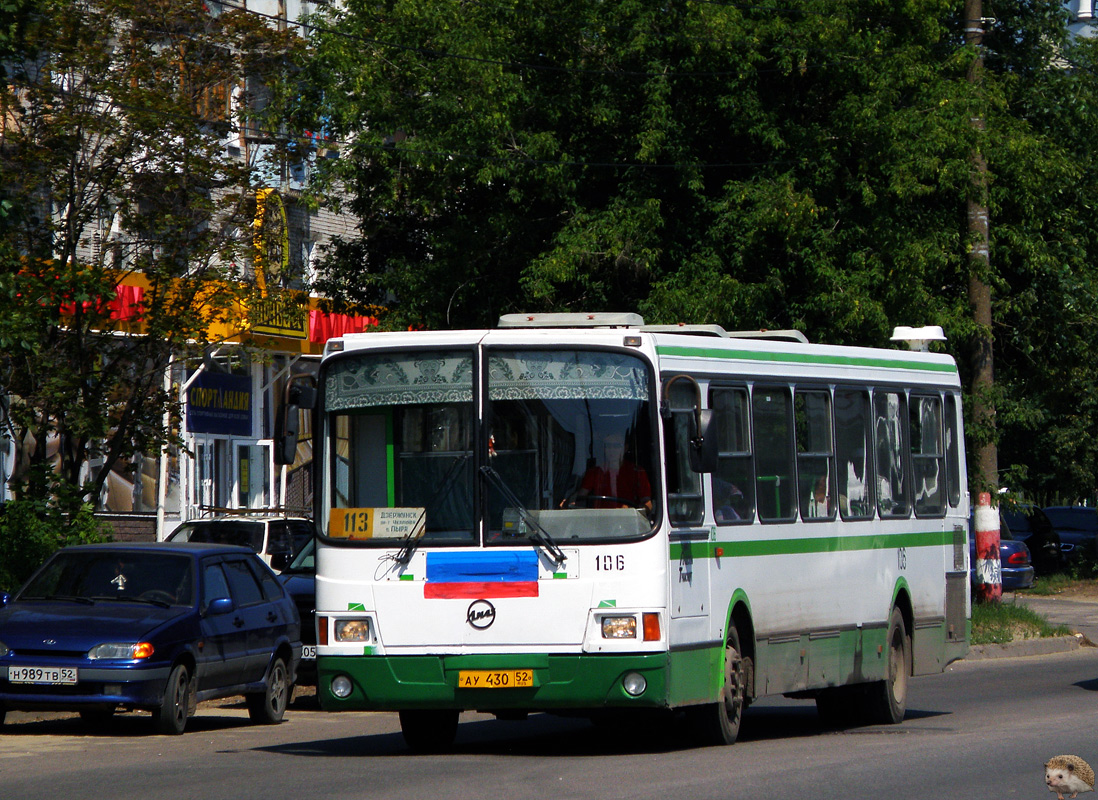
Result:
{"points": [[979, 263]]}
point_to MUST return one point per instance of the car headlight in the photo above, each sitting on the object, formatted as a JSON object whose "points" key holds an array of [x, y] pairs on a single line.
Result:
{"points": [[4, 649], [126, 651], [352, 630], [619, 627]]}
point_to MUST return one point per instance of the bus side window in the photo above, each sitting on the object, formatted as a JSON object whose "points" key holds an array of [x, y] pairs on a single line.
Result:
{"points": [[889, 429], [953, 452], [927, 456], [734, 481], [815, 455], [772, 412], [852, 449]]}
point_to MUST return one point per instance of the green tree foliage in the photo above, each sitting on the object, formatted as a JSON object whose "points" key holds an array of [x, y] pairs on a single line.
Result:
{"points": [[733, 163], [760, 164], [30, 531], [113, 162]]}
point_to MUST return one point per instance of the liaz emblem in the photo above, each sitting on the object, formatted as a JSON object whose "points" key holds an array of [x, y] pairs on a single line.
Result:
{"points": [[481, 614]]}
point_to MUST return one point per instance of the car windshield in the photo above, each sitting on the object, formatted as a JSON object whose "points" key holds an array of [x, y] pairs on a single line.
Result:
{"points": [[219, 531], [117, 575]]}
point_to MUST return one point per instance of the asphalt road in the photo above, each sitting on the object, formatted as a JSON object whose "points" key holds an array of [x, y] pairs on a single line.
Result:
{"points": [[981, 730]]}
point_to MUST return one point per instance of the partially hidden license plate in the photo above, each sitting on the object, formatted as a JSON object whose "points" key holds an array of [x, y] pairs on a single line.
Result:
{"points": [[308, 652], [495, 678], [50, 675]]}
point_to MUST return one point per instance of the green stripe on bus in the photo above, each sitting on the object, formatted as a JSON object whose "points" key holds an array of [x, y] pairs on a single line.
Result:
{"points": [[826, 544], [805, 358]]}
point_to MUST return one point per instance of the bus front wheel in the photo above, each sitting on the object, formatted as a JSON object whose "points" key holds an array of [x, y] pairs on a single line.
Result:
{"points": [[719, 723], [429, 731]]}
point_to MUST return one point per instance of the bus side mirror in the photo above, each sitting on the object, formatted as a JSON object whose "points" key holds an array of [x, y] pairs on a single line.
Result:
{"points": [[703, 445], [300, 394]]}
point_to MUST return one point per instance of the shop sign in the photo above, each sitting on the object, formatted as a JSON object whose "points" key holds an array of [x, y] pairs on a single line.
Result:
{"points": [[220, 404], [280, 314]]}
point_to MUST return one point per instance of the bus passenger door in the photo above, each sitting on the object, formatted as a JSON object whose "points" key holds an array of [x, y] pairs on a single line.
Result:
{"points": [[690, 625]]}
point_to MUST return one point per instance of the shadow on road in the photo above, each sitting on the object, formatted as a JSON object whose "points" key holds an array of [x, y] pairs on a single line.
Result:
{"points": [[545, 735]]}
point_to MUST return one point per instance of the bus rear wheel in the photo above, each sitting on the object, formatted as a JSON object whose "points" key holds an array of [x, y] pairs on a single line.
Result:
{"points": [[719, 723], [886, 701], [429, 731]]}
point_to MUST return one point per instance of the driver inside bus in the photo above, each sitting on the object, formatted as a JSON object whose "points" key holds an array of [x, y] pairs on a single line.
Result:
{"points": [[617, 481]]}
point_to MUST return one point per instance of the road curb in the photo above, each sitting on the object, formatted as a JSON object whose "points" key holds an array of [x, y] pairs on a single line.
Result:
{"points": [[1028, 647]]}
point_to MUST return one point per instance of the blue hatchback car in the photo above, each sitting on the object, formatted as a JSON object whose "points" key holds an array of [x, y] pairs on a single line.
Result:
{"points": [[156, 627]]}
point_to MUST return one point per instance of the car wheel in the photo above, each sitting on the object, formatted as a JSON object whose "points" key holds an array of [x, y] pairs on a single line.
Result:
{"points": [[269, 707], [429, 731], [886, 701], [3, 713], [172, 717], [719, 723]]}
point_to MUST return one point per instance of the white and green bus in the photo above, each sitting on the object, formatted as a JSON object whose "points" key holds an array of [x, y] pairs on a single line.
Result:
{"points": [[582, 514]]}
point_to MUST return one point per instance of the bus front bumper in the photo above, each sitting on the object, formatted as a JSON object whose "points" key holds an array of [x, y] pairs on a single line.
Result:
{"points": [[558, 682]]}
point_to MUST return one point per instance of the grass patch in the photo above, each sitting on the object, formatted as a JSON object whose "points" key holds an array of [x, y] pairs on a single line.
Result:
{"points": [[1058, 583], [999, 623]]}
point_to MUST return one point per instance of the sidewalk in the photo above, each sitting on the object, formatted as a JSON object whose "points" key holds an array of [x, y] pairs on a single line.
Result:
{"points": [[1079, 615]]}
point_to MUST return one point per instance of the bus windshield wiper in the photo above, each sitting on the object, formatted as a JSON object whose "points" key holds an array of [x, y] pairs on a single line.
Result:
{"points": [[412, 540], [538, 534]]}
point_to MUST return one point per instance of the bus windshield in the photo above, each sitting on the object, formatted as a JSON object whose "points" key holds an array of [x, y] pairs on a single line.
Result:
{"points": [[562, 449]]}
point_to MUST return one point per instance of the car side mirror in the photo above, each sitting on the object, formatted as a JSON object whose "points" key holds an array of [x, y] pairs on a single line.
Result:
{"points": [[280, 561], [222, 605]]}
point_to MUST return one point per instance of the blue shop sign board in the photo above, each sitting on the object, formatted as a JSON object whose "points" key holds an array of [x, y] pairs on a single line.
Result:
{"points": [[221, 404]]}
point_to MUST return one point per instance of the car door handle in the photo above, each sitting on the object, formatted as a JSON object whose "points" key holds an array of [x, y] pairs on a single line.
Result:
{"points": [[238, 622], [272, 616]]}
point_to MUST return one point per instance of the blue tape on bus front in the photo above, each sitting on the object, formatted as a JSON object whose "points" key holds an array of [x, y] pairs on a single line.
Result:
{"points": [[480, 567]]}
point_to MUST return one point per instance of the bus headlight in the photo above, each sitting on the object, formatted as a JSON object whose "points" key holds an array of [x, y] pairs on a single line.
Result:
{"points": [[352, 630], [619, 627], [341, 686], [634, 684]]}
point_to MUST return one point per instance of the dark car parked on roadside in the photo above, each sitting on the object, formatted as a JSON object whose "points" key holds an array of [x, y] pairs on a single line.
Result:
{"points": [[156, 627], [1014, 559], [299, 580], [1031, 525], [1077, 527]]}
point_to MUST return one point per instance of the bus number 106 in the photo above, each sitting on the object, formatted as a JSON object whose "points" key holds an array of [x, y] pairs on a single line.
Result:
{"points": [[609, 563]]}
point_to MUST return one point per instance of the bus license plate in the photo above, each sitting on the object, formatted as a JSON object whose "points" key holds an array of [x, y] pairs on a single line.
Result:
{"points": [[495, 678], [48, 675]]}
